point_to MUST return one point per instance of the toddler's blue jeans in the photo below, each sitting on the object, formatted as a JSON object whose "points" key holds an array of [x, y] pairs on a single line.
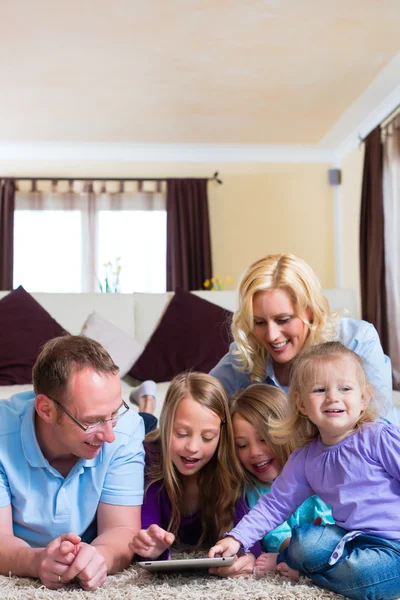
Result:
{"points": [[369, 568]]}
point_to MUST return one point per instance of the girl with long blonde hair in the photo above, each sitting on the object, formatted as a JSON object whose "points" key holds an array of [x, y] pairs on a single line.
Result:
{"points": [[193, 479]]}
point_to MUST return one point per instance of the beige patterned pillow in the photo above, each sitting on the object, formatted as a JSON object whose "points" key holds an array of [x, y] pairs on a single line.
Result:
{"points": [[123, 349]]}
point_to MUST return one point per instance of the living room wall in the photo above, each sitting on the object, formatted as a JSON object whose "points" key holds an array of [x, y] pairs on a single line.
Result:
{"points": [[259, 209], [352, 171]]}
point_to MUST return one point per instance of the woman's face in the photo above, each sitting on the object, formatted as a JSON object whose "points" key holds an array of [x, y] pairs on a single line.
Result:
{"points": [[277, 326], [253, 451]]}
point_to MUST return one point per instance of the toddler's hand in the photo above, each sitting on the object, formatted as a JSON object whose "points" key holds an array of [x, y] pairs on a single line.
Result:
{"points": [[242, 567], [225, 547], [151, 542]]}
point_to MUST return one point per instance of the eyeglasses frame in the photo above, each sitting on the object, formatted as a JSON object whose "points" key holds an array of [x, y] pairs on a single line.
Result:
{"points": [[89, 428]]}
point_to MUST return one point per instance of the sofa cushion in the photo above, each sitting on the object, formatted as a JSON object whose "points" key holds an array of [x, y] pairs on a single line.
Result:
{"points": [[25, 327], [123, 349], [192, 334]]}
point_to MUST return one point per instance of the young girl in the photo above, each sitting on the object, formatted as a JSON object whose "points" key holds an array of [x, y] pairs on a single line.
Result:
{"points": [[193, 478], [262, 460], [352, 463]]}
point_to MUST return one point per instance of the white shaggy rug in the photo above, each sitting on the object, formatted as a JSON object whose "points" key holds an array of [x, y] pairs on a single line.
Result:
{"points": [[137, 583]]}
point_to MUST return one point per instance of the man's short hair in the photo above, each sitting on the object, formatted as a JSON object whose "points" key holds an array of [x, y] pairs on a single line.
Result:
{"points": [[62, 356]]}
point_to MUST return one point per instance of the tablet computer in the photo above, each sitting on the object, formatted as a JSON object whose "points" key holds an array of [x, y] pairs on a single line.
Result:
{"points": [[186, 563]]}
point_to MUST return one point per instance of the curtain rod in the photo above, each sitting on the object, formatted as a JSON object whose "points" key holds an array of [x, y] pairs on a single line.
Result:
{"points": [[213, 178]]}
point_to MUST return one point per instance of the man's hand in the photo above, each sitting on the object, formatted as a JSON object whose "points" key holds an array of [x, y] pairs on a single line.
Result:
{"points": [[242, 566], [55, 559], [225, 547], [151, 542], [89, 566]]}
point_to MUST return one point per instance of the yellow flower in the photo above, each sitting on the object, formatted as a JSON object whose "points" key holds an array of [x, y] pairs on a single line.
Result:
{"points": [[217, 283]]}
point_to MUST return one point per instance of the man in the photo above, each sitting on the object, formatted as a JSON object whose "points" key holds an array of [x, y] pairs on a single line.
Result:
{"points": [[71, 469]]}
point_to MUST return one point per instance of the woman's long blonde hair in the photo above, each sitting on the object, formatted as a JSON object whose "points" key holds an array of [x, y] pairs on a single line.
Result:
{"points": [[302, 378], [258, 404], [220, 480], [294, 276]]}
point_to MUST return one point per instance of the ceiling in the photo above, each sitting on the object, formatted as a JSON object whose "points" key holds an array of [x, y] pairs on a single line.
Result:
{"points": [[189, 71]]}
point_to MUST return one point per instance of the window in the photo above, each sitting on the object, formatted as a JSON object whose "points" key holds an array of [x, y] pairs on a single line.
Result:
{"points": [[62, 242]]}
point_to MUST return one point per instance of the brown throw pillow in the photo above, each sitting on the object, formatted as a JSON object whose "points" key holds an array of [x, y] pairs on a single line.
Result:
{"points": [[192, 334], [24, 327]]}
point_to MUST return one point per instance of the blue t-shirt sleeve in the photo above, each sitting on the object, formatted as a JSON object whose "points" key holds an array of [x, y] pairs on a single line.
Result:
{"points": [[363, 339], [123, 484], [5, 495]]}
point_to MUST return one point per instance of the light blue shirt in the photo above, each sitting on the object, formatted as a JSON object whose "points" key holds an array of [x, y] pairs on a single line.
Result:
{"points": [[44, 503], [311, 509], [359, 336]]}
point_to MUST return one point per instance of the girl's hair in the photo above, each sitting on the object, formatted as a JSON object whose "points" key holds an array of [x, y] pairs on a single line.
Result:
{"points": [[303, 375], [257, 404], [298, 280], [220, 480]]}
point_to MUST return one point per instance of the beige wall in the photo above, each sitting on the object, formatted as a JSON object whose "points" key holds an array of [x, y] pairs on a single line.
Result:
{"points": [[259, 209], [352, 171]]}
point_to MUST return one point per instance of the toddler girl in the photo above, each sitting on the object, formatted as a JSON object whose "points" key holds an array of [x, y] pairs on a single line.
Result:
{"points": [[351, 462]]}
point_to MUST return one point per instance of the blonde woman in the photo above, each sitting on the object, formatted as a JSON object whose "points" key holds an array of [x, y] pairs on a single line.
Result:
{"points": [[193, 479], [282, 310], [348, 459]]}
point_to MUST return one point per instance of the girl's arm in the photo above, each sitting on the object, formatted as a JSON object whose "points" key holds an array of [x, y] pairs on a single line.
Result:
{"points": [[226, 373], [241, 510], [288, 491], [153, 541]]}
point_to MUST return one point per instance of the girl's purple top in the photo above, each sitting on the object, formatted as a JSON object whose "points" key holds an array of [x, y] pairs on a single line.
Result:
{"points": [[156, 509], [359, 478]]}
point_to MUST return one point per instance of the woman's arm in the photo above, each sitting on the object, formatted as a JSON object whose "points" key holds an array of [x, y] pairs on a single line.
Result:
{"points": [[226, 372]]}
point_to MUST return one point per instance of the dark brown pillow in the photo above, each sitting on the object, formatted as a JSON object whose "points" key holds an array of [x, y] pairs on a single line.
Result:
{"points": [[192, 334], [24, 327]]}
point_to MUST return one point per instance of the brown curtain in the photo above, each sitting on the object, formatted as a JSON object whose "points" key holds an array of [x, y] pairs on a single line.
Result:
{"points": [[188, 234], [7, 205], [372, 254]]}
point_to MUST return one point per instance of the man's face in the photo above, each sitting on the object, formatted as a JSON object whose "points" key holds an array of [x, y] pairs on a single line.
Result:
{"points": [[90, 397]]}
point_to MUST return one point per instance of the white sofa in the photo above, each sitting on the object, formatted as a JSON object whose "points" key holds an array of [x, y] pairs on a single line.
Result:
{"points": [[138, 315]]}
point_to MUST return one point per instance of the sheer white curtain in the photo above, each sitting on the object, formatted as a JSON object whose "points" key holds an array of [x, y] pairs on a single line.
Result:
{"points": [[68, 241], [391, 203]]}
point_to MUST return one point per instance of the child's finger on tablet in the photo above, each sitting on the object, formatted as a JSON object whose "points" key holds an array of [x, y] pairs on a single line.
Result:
{"points": [[169, 538]]}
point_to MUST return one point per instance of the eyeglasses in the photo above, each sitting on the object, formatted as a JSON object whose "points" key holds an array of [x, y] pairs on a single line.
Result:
{"points": [[95, 426]]}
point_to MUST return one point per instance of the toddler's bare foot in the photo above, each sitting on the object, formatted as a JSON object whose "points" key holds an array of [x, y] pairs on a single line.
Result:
{"points": [[286, 571], [266, 563], [147, 404]]}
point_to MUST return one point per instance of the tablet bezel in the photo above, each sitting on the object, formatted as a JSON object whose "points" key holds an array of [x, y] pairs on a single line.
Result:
{"points": [[186, 563]]}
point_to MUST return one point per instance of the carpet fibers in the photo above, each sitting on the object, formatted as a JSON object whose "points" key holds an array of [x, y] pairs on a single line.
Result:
{"points": [[137, 583]]}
